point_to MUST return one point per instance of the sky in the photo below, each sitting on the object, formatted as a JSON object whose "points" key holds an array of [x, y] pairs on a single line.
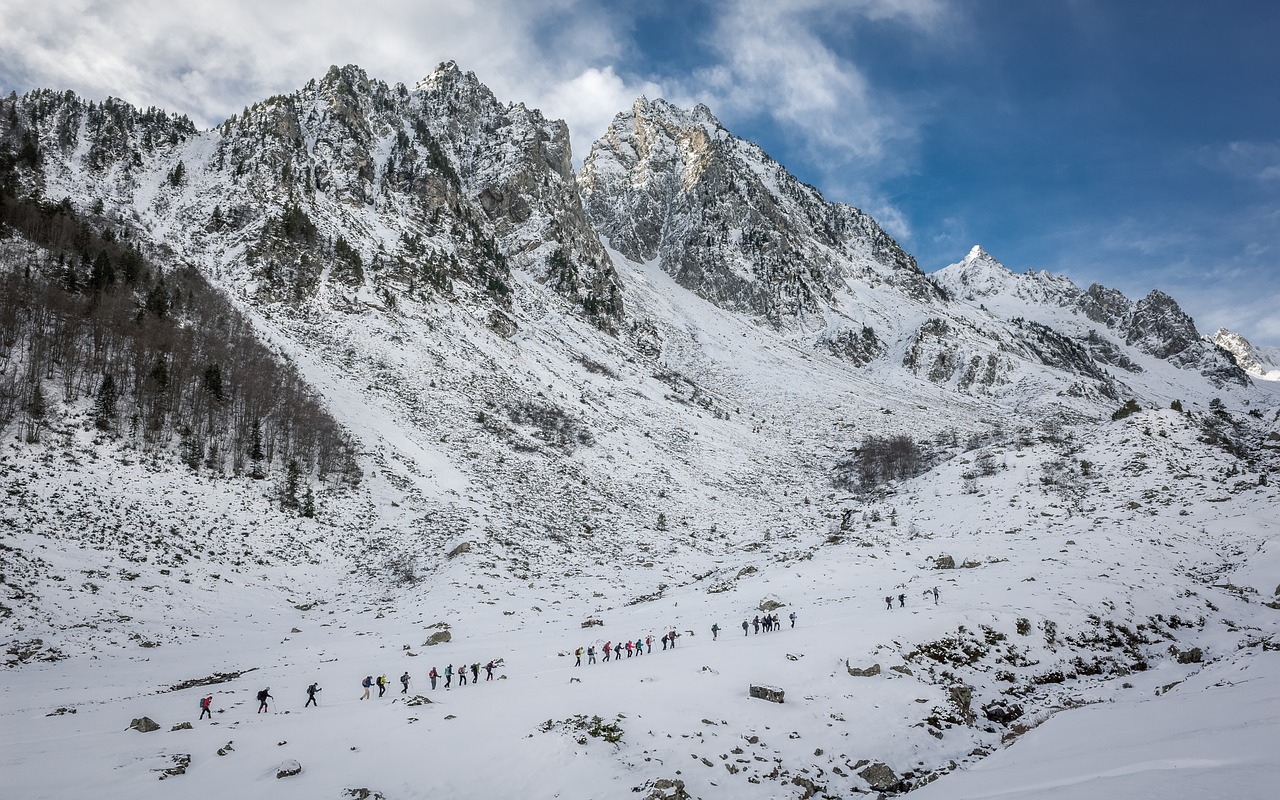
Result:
{"points": [[1125, 142]]}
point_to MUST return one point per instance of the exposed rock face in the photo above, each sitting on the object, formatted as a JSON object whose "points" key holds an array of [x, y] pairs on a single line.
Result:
{"points": [[1257, 362], [944, 561], [144, 725], [728, 222], [869, 672]]}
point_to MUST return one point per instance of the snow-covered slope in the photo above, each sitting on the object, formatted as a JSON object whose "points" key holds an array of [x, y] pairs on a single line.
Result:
{"points": [[1260, 362], [558, 431]]}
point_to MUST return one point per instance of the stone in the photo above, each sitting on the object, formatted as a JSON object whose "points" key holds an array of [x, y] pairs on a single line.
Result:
{"points": [[902, 669], [144, 725], [869, 672], [288, 768], [181, 726], [439, 637], [879, 777], [771, 693], [771, 604], [1192, 656], [944, 562], [961, 697], [465, 547], [668, 789], [180, 763], [417, 700]]}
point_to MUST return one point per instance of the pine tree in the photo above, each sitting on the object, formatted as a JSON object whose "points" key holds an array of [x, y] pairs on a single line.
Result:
{"points": [[104, 406], [292, 479], [308, 503], [255, 450]]}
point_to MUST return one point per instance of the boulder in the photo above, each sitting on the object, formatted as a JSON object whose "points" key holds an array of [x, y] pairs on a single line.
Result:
{"points": [[144, 725], [771, 693], [944, 562], [1192, 656], [961, 697], [288, 769], [869, 672], [465, 547], [439, 637], [879, 777], [181, 726], [771, 604], [664, 789]]}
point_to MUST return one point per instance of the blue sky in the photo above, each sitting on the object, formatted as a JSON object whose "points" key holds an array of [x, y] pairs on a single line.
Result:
{"points": [[1136, 144]]}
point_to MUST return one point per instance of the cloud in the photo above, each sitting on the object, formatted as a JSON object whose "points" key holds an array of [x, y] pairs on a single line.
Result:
{"points": [[589, 101]]}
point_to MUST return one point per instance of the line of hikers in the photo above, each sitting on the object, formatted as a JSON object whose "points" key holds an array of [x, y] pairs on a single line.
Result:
{"points": [[637, 647], [769, 622], [902, 599], [434, 676]]}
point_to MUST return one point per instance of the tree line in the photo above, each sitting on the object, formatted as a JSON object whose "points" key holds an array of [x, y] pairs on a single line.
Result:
{"points": [[160, 357]]}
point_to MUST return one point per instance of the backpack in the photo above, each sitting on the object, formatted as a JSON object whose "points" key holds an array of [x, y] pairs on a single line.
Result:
{"points": [[367, 682], [204, 703]]}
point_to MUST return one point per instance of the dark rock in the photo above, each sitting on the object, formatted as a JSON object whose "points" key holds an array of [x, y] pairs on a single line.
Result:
{"points": [[180, 763], [902, 669], [144, 725], [465, 547], [879, 777], [771, 605], [1192, 656], [771, 693], [667, 789], [439, 637], [961, 697], [869, 672], [944, 562], [288, 769], [181, 726], [417, 700]]}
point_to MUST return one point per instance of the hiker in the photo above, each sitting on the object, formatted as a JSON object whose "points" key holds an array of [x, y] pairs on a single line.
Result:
{"points": [[715, 631], [672, 635], [263, 697], [366, 683], [628, 648], [639, 647], [205, 702], [475, 673], [462, 675], [793, 619], [664, 641], [767, 623], [935, 595], [382, 685], [488, 671], [745, 627], [311, 696], [648, 640], [404, 683], [607, 649], [755, 623], [578, 653], [888, 603], [591, 654], [902, 601], [448, 675], [433, 675]]}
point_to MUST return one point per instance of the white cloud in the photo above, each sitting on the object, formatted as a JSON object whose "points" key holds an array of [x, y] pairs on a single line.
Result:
{"points": [[590, 100]]}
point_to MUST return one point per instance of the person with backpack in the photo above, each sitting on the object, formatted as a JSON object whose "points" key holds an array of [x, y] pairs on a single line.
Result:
{"points": [[591, 654], [578, 653], [715, 631], [672, 636], [205, 702], [628, 648], [263, 697], [462, 675], [311, 696], [902, 601], [746, 626], [935, 595], [755, 623], [488, 671], [433, 675], [404, 682], [475, 673], [793, 619], [888, 603], [648, 641], [448, 675], [608, 648], [664, 641], [382, 685], [367, 683]]}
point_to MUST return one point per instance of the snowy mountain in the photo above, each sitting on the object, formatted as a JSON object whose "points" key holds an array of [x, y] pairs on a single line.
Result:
{"points": [[1260, 362], [675, 389]]}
